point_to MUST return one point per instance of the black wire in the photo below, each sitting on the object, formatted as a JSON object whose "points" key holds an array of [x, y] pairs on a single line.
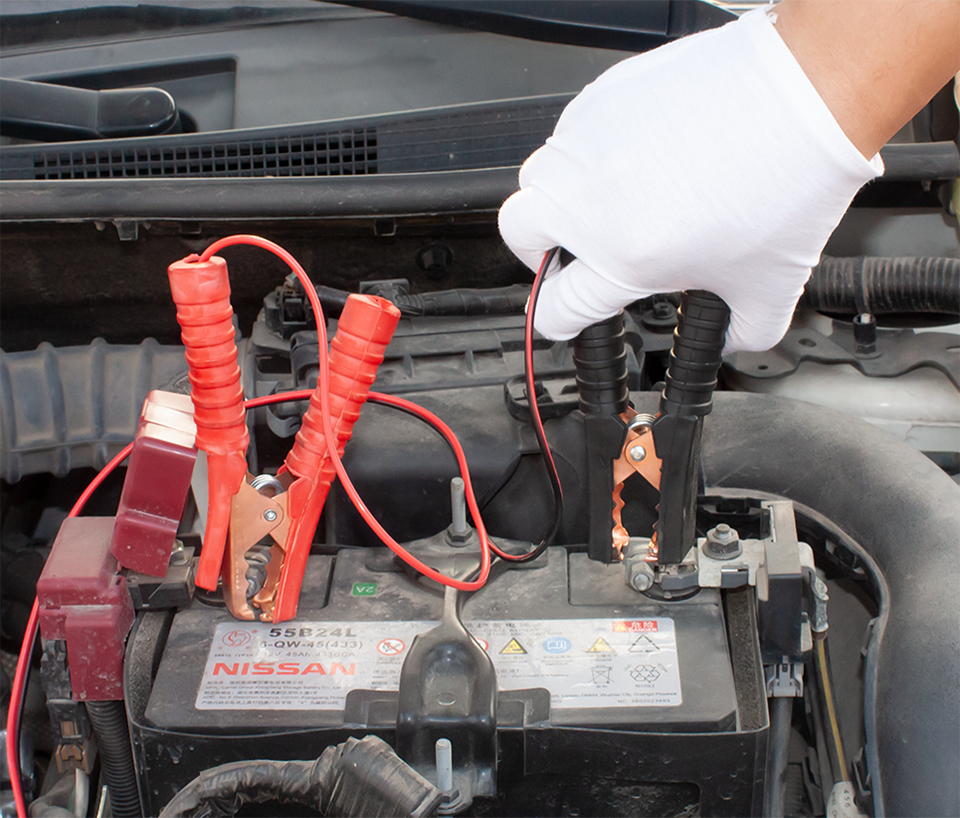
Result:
{"points": [[551, 467]]}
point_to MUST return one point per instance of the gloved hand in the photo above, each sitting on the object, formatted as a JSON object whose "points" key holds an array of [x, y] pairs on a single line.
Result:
{"points": [[710, 163]]}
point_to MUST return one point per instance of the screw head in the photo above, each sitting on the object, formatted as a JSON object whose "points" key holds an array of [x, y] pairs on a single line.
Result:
{"points": [[638, 454], [269, 515], [639, 574]]}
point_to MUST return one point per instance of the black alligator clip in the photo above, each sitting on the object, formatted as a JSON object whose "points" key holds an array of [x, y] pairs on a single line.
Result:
{"points": [[663, 449]]}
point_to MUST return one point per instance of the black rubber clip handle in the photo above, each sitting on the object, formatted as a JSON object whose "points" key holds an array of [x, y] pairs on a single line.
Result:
{"points": [[687, 397], [599, 354]]}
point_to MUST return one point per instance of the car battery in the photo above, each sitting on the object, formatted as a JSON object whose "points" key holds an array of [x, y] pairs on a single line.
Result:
{"points": [[594, 678]]}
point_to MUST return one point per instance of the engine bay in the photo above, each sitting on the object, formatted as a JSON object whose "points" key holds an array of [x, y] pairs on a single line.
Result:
{"points": [[674, 583], [588, 680]]}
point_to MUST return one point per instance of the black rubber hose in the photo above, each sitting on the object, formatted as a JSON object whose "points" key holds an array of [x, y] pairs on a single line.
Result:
{"points": [[882, 286], [491, 301], [109, 722], [906, 512], [361, 777], [778, 747]]}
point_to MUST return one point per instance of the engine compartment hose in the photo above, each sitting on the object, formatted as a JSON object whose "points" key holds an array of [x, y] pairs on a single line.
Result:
{"points": [[905, 511], [882, 286], [64, 408], [361, 777], [109, 722], [494, 301]]}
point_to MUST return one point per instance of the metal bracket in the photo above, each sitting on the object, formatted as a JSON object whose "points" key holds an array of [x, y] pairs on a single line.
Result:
{"points": [[897, 351]]}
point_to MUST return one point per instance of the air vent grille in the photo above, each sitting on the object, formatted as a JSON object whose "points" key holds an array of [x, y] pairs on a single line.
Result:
{"points": [[344, 153], [461, 137]]}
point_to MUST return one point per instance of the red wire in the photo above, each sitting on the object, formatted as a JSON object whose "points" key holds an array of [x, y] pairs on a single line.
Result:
{"points": [[324, 381], [26, 652]]}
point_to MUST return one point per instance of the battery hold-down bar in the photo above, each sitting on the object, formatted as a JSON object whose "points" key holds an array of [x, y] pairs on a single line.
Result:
{"points": [[243, 510]]}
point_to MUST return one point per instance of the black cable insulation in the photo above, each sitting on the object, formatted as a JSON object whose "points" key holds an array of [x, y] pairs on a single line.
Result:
{"points": [[781, 712], [884, 286], [358, 777], [117, 771]]}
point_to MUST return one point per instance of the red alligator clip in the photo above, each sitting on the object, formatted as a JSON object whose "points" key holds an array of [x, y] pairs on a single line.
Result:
{"points": [[291, 514], [201, 291], [243, 510]]}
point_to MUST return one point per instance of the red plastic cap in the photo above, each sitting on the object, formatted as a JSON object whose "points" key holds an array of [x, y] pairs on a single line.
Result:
{"points": [[199, 282], [150, 509]]}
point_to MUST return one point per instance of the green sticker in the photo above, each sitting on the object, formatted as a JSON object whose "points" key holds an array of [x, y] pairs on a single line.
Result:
{"points": [[364, 588]]}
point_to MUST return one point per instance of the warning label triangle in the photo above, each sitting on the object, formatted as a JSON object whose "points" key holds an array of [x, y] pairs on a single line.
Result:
{"points": [[600, 646], [513, 646]]}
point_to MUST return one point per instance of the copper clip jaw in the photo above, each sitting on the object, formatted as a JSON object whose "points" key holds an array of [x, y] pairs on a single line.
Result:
{"points": [[253, 516], [639, 456]]}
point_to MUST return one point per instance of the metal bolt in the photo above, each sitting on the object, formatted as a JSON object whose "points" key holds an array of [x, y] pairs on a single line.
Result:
{"points": [[638, 454], [444, 753], [723, 543], [638, 573], [663, 309], [820, 588], [820, 598], [640, 580], [177, 556], [269, 515]]}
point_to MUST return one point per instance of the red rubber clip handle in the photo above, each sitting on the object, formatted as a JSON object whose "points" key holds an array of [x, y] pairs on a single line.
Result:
{"points": [[201, 291], [363, 332]]}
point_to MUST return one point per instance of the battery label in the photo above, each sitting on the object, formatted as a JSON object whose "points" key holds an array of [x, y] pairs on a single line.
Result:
{"points": [[583, 663]]}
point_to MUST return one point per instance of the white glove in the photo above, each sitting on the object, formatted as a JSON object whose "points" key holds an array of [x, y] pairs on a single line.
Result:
{"points": [[710, 163]]}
